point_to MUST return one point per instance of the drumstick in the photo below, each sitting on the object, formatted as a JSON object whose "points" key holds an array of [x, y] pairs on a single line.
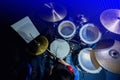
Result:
{"points": [[49, 50], [52, 54]]}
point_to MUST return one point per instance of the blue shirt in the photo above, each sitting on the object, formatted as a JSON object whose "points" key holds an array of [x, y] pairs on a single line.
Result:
{"points": [[76, 72]]}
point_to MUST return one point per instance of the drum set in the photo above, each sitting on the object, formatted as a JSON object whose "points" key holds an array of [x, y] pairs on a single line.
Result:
{"points": [[105, 53]]}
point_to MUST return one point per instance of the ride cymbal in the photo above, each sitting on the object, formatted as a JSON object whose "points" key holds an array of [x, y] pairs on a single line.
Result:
{"points": [[108, 55], [110, 19], [52, 12]]}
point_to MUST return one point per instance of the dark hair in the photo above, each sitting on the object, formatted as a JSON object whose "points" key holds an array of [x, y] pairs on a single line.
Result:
{"points": [[60, 72]]}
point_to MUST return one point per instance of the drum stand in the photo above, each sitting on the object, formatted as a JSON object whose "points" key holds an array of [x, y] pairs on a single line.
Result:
{"points": [[51, 32]]}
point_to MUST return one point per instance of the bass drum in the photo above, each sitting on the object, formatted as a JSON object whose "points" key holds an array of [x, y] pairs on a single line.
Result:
{"points": [[60, 48], [89, 33], [67, 29], [87, 62]]}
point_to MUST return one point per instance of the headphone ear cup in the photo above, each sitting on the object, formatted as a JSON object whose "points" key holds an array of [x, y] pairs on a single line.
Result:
{"points": [[70, 68]]}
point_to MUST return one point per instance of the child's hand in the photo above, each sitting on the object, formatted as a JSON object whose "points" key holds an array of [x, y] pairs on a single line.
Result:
{"points": [[63, 62]]}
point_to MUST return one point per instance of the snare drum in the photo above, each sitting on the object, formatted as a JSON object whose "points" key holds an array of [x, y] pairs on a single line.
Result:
{"points": [[67, 29], [60, 48], [89, 33], [85, 62]]}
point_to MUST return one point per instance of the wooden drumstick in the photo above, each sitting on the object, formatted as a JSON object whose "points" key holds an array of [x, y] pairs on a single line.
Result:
{"points": [[52, 54], [49, 51]]}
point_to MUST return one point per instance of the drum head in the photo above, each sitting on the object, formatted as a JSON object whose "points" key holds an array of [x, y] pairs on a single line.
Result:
{"points": [[85, 61], [67, 29], [89, 33], [60, 48]]}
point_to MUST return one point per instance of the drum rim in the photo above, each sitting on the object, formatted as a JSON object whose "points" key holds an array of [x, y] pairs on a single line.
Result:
{"points": [[84, 68], [69, 36], [89, 42]]}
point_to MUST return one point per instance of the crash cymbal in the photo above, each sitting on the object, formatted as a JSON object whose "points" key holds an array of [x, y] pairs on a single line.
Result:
{"points": [[93, 59], [108, 55], [52, 12], [110, 19], [42, 45], [105, 43]]}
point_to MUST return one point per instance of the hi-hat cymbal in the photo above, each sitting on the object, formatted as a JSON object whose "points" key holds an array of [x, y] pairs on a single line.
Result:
{"points": [[52, 12], [109, 56], [42, 45], [110, 19]]}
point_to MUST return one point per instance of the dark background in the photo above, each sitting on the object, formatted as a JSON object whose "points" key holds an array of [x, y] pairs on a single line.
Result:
{"points": [[13, 47]]}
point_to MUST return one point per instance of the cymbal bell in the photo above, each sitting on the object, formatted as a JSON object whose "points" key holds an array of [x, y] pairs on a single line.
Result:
{"points": [[42, 45], [109, 56], [110, 19], [52, 12]]}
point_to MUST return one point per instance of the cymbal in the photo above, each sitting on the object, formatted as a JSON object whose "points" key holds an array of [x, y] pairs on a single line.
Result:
{"points": [[109, 56], [110, 19], [52, 12], [42, 45], [94, 60]]}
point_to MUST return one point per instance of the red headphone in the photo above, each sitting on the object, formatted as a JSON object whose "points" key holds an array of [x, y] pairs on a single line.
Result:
{"points": [[70, 68]]}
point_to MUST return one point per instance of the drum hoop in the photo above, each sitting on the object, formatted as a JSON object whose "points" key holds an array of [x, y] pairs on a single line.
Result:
{"points": [[89, 42], [59, 29], [88, 70]]}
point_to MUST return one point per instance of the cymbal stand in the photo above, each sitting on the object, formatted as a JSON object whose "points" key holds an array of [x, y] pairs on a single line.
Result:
{"points": [[51, 32]]}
